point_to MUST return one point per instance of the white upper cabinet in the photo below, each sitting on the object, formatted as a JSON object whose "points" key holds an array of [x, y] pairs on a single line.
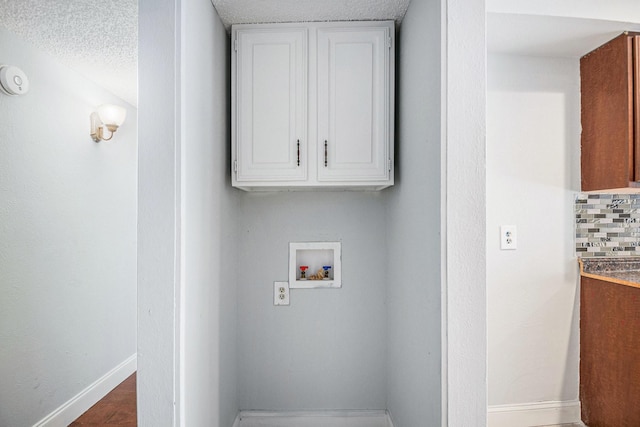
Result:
{"points": [[353, 104], [312, 105], [271, 91]]}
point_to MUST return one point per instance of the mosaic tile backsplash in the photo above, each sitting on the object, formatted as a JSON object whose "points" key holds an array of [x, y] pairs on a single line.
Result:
{"points": [[607, 225]]}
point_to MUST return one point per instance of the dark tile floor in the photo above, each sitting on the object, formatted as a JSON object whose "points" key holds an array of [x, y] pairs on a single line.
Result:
{"points": [[118, 408]]}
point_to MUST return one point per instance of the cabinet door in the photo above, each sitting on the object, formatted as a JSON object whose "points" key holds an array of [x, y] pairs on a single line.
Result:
{"points": [[353, 104], [607, 147], [609, 353], [271, 98]]}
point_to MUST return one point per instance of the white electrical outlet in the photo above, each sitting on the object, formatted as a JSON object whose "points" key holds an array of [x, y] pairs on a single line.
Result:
{"points": [[280, 293], [508, 237]]}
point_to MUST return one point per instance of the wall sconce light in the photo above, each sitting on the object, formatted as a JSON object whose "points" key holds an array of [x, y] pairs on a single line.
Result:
{"points": [[109, 116]]}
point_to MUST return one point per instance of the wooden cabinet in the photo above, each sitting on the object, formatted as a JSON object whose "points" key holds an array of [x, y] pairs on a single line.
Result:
{"points": [[609, 353], [312, 105], [610, 79]]}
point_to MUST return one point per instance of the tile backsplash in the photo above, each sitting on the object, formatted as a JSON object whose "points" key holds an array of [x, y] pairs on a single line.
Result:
{"points": [[607, 225]]}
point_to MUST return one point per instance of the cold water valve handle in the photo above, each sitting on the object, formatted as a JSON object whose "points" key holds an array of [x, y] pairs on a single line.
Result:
{"points": [[326, 271]]}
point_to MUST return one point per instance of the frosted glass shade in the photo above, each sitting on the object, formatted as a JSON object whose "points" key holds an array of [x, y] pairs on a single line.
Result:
{"points": [[113, 115]]}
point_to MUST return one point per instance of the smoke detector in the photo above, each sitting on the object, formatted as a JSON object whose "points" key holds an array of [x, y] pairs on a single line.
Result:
{"points": [[13, 81]]}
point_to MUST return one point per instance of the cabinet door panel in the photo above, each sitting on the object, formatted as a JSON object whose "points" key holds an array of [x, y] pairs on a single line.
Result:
{"points": [[271, 105], [606, 86], [609, 353], [353, 104]]}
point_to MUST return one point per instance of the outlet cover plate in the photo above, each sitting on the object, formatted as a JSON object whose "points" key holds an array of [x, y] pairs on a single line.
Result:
{"points": [[508, 237], [280, 293]]}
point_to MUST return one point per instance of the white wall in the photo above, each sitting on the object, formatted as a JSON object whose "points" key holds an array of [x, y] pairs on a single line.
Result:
{"points": [[413, 227], [533, 152], [209, 208], [533, 155], [327, 350], [67, 239]]}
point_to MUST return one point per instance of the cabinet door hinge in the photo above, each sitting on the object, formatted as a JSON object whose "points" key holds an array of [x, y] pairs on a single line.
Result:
{"points": [[389, 42], [235, 45], [389, 164], [235, 166]]}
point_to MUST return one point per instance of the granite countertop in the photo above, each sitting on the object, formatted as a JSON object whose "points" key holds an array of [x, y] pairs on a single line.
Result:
{"points": [[623, 271]]}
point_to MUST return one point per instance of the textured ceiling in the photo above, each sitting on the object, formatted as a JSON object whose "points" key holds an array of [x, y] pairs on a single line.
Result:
{"points": [[97, 38], [257, 11]]}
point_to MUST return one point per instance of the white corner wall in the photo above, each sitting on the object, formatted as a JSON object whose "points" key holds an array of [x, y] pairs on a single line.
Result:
{"points": [[158, 214], [414, 313], [187, 314], [464, 205], [67, 240], [208, 203], [533, 163]]}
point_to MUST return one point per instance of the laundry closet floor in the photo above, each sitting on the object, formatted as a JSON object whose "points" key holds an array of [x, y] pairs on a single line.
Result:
{"points": [[314, 419]]}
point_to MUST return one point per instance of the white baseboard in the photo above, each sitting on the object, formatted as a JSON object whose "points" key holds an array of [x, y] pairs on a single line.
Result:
{"points": [[77, 405], [236, 422], [534, 414], [389, 419], [313, 418]]}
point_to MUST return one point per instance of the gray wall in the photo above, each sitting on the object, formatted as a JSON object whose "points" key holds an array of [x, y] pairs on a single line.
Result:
{"points": [[187, 214], [208, 223], [158, 213], [413, 227], [67, 239], [327, 350], [375, 343]]}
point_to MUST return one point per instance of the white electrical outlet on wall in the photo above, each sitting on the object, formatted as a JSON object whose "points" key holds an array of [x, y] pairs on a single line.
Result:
{"points": [[508, 237], [280, 293]]}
